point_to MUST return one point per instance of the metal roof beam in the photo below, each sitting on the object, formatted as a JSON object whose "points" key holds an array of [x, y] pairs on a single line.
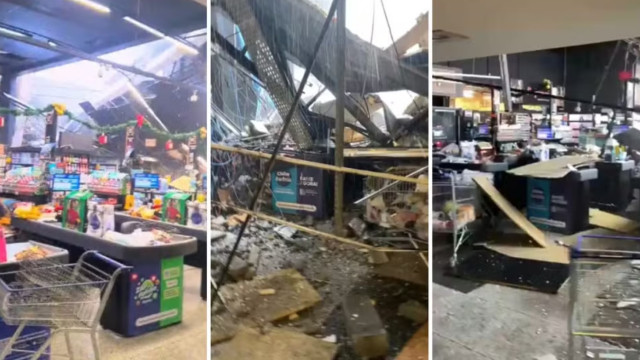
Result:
{"points": [[82, 55]]}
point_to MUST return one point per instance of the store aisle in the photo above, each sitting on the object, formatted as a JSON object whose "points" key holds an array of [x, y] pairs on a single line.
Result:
{"points": [[187, 340], [497, 322]]}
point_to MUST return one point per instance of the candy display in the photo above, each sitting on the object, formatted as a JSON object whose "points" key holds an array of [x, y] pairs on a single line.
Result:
{"points": [[74, 213], [174, 208]]}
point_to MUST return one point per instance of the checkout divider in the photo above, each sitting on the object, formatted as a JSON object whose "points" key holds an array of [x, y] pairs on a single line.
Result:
{"points": [[147, 298]]}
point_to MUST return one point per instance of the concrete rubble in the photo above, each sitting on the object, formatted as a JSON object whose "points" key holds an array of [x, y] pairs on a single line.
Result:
{"points": [[330, 270]]}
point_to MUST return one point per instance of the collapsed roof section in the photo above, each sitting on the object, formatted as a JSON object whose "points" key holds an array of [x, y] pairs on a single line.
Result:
{"points": [[281, 31]]}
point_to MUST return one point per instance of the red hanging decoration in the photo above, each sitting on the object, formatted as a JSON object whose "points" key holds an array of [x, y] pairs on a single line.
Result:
{"points": [[168, 145], [102, 139], [140, 120], [1, 121], [624, 75]]}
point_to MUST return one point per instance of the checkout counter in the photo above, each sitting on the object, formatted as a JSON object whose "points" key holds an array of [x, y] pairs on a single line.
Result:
{"points": [[147, 298], [197, 259]]}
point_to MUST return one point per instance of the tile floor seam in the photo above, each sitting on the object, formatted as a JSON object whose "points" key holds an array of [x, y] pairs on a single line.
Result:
{"points": [[463, 345]]}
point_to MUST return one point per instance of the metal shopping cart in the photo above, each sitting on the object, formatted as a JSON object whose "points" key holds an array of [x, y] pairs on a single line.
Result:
{"points": [[394, 204], [454, 207], [67, 298], [605, 298]]}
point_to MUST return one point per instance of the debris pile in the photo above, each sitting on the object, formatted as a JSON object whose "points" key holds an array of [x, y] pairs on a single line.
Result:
{"points": [[288, 288]]}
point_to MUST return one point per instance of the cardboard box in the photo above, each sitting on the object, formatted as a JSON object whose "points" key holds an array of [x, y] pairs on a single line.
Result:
{"points": [[74, 212], [174, 208]]}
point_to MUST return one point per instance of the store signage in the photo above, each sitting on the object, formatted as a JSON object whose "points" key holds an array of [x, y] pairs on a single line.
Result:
{"points": [[66, 182], [150, 143], [146, 181]]}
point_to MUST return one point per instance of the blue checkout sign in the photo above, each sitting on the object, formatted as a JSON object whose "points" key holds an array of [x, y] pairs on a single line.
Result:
{"points": [[66, 182], [146, 181]]}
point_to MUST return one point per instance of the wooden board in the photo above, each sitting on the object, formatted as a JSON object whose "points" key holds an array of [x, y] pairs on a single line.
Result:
{"points": [[552, 169], [554, 253], [516, 216], [611, 221], [388, 153], [293, 293], [418, 347], [276, 344]]}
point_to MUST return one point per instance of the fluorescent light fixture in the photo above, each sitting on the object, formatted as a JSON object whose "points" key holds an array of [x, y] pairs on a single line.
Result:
{"points": [[138, 96], [52, 44], [93, 6], [144, 27], [184, 47], [12, 32]]}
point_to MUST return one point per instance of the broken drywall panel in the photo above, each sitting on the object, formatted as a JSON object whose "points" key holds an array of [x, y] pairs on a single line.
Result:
{"points": [[553, 169], [291, 293], [275, 344]]}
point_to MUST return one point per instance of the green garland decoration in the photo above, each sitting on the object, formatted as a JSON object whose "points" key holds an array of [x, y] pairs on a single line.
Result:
{"points": [[111, 129]]}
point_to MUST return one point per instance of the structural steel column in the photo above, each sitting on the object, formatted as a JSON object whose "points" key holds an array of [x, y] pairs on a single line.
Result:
{"points": [[506, 83], [7, 85], [340, 95]]}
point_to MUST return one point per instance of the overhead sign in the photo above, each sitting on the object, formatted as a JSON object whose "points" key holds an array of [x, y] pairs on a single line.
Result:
{"points": [[146, 181], [66, 182]]}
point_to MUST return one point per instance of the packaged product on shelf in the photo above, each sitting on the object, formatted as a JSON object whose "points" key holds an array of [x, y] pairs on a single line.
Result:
{"points": [[197, 213], [108, 217], [3, 247], [74, 212], [174, 208], [95, 223]]}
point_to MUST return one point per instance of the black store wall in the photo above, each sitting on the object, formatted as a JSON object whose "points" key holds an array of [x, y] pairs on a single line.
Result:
{"points": [[577, 68]]}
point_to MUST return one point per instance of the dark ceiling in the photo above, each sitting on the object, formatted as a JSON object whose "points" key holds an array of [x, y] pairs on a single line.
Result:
{"points": [[66, 22]]}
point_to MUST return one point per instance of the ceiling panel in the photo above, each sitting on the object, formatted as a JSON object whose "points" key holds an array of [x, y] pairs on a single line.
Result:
{"points": [[69, 23], [493, 27]]}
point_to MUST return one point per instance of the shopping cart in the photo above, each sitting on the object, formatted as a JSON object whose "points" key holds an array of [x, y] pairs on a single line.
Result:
{"points": [[454, 208], [397, 204], [67, 298], [605, 298]]}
